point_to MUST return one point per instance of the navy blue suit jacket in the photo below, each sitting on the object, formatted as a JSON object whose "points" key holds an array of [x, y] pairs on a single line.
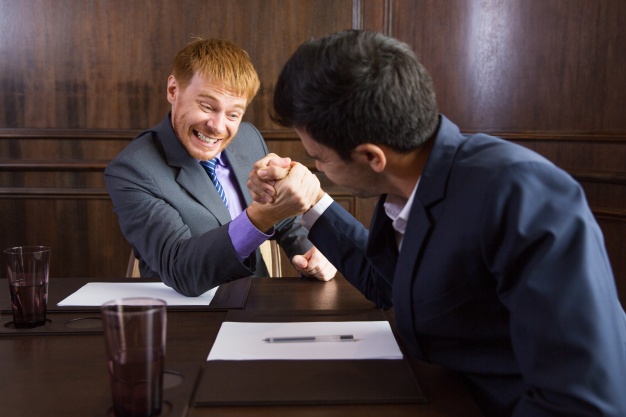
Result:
{"points": [[503, 276]]}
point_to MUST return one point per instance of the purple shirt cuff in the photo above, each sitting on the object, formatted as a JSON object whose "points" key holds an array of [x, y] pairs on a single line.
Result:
{"points": [[245, 237]]}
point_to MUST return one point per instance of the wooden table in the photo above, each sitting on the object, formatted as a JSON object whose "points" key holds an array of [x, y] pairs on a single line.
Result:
{"points": [[64, 374]]}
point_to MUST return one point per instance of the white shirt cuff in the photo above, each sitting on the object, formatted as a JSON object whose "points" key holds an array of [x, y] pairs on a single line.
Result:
{"points": [[310, 217]]}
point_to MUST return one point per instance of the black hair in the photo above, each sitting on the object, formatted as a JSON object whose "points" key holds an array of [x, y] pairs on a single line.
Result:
{"points": [[355, 87]]}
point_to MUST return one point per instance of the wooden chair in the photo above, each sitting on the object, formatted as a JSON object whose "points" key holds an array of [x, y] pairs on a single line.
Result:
{"points": [[269, 251], [132, 269]]}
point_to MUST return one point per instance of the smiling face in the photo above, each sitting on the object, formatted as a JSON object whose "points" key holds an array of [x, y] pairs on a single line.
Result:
{"points": [[205, 116]]}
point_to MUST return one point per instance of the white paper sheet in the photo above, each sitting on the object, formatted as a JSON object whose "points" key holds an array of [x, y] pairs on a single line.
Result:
{"points": [[98, 293], [245, 341]]}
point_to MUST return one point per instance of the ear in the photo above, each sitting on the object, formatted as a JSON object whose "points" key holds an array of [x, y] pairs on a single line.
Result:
{"points": [[172, 89], [370, 154]]}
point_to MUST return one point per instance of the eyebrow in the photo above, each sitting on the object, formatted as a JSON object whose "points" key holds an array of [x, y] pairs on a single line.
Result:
{"points": [[212, 97]]}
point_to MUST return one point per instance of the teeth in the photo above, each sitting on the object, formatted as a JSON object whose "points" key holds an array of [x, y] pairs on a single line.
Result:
{"points": [[206, 139]]}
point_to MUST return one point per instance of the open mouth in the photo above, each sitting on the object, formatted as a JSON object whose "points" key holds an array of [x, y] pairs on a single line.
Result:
{"points": [[204, 138]]}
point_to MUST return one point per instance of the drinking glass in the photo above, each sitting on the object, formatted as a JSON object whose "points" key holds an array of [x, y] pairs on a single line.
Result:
{"points": [[135, 331], [27, 271]]}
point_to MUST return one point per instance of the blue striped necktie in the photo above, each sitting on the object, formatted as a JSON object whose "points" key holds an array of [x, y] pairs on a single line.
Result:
{"points": [[209, 167]]}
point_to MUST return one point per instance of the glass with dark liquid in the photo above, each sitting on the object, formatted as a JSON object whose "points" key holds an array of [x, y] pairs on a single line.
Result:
{"points": [[135, 331], [27, 271], [136, 377]]}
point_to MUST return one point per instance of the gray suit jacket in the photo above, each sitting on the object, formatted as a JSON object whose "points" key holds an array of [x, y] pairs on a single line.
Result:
{"points": [[171, 214]]}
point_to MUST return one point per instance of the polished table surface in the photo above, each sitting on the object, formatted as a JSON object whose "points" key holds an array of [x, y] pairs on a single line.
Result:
{"points": [[64, 374]]}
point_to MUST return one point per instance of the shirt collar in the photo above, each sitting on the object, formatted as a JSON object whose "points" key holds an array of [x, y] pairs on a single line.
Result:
{"points": [[398, 209]]}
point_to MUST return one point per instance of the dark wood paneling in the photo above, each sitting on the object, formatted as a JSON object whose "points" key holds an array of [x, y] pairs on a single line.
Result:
{"points": [[78, 79], [104, 64], [52, 193], [372, 15], [80, 228], [519, 65]]}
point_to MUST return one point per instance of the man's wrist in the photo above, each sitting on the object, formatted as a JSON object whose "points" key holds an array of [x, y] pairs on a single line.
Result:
{"points": [[320, 194], [314, 213], [260, 218], [245, 236]]}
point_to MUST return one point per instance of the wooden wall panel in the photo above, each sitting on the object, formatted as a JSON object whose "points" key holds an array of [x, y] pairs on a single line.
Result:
{"points": [[79, 78], [518, 65], [104, 64], [52, 193], [79, 228]]}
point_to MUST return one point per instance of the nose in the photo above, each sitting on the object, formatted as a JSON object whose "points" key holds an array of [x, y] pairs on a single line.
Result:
{"points": [[217, 123], [318, 166]]}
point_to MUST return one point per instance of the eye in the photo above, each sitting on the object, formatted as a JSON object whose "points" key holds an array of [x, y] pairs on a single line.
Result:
{"points": [[206, 107]]}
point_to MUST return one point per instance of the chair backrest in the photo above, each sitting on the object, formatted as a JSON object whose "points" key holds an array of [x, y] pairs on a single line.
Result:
{"points": [[269, 251], [271, 255], [132, 269]]}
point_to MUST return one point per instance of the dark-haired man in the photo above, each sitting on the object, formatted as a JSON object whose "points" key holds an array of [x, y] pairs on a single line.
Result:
{"points": [[489, 254]]}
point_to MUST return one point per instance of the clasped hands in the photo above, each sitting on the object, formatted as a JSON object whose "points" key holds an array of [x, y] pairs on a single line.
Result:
{"points": [[280, 189], [282, 181]]}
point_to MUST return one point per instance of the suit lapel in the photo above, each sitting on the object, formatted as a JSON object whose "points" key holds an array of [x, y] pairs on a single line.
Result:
{"points": [[430, 192], [415, 237], [191, 176], [196, 181], [382, 236], [238, 165], [242, 153]]}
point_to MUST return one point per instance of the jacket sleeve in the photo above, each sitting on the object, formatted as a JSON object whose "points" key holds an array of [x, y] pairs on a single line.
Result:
{"points": [[553, 275], [344, 241]]}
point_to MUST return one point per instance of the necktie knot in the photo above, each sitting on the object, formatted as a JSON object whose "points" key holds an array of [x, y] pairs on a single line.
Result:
{"points": [[209, 167]]}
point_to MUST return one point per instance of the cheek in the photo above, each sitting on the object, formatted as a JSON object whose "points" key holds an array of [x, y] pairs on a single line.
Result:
{"points": [[231, 130], [234, 126], [180, 114], [336, 176]]}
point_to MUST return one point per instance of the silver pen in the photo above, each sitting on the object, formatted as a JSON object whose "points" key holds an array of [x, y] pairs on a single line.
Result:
{"points": [[296, 339]]}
